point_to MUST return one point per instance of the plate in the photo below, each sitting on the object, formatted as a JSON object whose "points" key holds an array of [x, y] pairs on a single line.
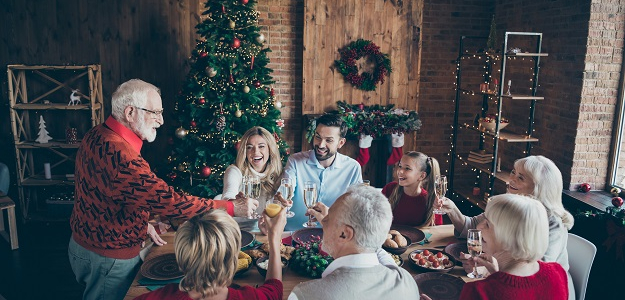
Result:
{"points": [[455, 249], [306, 234], [246, 238], [426, 269], [162, 267], [439, 286], [414, 234]]}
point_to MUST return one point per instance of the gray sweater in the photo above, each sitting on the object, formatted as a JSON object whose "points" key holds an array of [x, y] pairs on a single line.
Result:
{"points": [[378, 282]]}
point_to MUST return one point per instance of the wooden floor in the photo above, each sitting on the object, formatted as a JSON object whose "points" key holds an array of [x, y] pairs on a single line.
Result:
{"points": [[39, 269]]}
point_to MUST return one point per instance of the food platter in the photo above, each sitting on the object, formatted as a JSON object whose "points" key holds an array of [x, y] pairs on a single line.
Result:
{"points": [[415, 235], [162, 267], [440, 286], [246, 238]]}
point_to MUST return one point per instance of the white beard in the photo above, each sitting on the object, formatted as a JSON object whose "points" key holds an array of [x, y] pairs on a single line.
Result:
{"points": [[144, 131]]}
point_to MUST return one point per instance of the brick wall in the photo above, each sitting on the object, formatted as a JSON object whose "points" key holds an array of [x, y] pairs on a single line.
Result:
{"points": [[282, 23]]}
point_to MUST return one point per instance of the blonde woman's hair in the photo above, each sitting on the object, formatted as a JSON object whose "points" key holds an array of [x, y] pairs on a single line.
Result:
{"points": [[273, 168], [520, 225], [548, 185], [207, 247], [426, 164]]}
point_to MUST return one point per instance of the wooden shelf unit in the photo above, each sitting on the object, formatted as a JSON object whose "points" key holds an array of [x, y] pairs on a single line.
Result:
{"points": [[36, 91]]}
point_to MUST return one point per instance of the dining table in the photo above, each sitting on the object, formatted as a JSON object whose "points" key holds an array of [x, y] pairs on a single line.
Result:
{"points": [[441, 236]]}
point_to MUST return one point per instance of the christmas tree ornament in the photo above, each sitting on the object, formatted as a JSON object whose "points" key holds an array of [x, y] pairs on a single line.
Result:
{"points": [[252, 63], [181, 167], [615, 191], [260, 38], [246, 89], [193, 123], [201, 101], [231, 78], [272, 92], [232, 24], [238, 113], [280, 123], [257, 83], [617, 201], [181, 133], [42, 136], [584, 188], [221, 123], [203, 54], [172, 176], [211, 72], [277, 104], [205, 171], [223, 9], [244, 2], [236, 43]]}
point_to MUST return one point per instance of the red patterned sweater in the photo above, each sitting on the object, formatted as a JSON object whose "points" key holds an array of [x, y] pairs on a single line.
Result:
{"points": [[116, 190]]}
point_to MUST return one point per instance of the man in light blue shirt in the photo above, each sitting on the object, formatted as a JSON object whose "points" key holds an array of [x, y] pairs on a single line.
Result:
{"points": [[331, 171]]}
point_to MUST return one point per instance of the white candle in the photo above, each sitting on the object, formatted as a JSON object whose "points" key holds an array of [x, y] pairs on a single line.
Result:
{"points": [[510, 82], [46, 171]]}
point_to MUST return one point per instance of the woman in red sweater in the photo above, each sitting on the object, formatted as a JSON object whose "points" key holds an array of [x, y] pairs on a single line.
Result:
{"points": [[515, 237], [207, 247], [413, 194]]}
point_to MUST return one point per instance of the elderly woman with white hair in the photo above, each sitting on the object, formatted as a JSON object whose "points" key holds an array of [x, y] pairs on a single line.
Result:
{"points": [[354, 228], [539, 177], [514, 240]]}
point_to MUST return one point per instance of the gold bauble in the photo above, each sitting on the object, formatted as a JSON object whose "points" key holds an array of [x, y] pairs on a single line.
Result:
{"points": [[246, 89], [181, 133], [238, 113], [232, 24]]}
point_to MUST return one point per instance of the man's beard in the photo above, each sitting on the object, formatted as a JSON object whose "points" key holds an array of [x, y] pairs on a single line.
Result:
{"points": [[144, 131], [327, 156]]}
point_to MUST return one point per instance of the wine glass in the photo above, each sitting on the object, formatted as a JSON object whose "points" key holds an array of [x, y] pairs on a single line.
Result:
{"points": [[310, 199], [273, 207], [474, 244], [243, 188], [287, 189], [441, 190]]}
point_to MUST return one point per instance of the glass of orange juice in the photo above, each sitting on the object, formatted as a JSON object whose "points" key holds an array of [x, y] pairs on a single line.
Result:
{"points": [[273, 208]]}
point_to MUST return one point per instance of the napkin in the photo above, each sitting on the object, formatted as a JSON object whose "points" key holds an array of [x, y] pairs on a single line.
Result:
{"points": [[253, 245], [152, 284], [426, 240]]}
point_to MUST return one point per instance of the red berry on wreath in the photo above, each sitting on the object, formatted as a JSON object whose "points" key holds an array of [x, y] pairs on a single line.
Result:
{"points": [[361, 106], [584, 187], [206, 171], [617, 201]]}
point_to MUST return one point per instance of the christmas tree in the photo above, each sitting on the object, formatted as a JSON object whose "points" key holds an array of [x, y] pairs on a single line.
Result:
{"points": [[227, 91], [42, 136]]}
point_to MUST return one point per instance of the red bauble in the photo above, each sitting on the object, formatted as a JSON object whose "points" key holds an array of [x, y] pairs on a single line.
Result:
{"points": [[206, 171], [193, 124], [236, 43], [244, 2], [361, 106], [257, 83], [223, 9], [172, 176], [617, 201], [201, 100], [203, 54], [272, 92], [584, 187]]}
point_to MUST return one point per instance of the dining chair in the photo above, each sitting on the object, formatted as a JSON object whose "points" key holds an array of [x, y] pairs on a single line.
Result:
{"points": [[581, 256]]}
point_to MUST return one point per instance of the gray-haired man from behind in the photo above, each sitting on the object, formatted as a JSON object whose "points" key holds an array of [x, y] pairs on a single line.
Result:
{"points": [[354, 228]]}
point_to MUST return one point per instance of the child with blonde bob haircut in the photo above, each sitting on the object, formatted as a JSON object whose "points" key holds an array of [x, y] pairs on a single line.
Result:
{"points": [[207, 248], [514, 240]]}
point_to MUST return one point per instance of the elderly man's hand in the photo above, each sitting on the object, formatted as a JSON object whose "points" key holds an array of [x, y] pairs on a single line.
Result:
{"points": [[244, 207], [318, 212]]}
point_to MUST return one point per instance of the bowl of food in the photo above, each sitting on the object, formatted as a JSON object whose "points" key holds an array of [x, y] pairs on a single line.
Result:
{"points": [[396, 243], [489, 122], [263, 262], [431, 260]]}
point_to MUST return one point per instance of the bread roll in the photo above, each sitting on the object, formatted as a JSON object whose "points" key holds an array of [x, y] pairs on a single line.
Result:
{"points": [[390, 243], [394, 232], [401, 240]]}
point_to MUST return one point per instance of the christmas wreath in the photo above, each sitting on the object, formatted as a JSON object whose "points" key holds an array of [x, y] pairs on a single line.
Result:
{"points": [[360, 78]]}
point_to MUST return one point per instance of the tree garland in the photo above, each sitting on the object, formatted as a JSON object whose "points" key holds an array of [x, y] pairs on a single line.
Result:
{"points": [[375, 120], [359, 49]]}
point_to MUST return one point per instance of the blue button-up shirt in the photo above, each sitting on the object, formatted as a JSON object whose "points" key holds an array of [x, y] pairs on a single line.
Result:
{"points": [[331, 182]]}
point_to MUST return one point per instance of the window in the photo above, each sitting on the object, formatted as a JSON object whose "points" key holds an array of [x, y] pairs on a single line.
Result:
{"points": [[617, 175]]}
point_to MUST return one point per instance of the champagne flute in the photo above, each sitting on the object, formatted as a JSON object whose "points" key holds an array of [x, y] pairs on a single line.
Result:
{"points": [[287, 189], [441, 190], [310, 199], [474, 244], [243, 188]]}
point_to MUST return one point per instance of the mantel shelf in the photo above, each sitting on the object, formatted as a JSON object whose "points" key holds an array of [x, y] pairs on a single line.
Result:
{"points": [[54, 106], [505, 135], [35, 145]]}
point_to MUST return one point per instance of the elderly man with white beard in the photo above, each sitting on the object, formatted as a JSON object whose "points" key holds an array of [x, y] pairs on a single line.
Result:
{"points": [[354, 228], [115, 192]]}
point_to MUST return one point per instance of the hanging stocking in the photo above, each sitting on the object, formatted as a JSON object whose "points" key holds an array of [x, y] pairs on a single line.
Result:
{"points": [[397, 141], [364, 143]]}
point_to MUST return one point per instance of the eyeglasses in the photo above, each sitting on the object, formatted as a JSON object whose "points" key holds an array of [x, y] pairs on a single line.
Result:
{"points": [[158, 113]]}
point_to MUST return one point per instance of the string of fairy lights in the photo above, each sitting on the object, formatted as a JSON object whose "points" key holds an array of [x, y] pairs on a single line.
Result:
{"points": [[490, 60]]}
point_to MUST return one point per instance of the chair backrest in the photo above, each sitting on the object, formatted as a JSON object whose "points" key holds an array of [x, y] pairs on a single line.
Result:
{"points": [[218, 197], [581, 256]]}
